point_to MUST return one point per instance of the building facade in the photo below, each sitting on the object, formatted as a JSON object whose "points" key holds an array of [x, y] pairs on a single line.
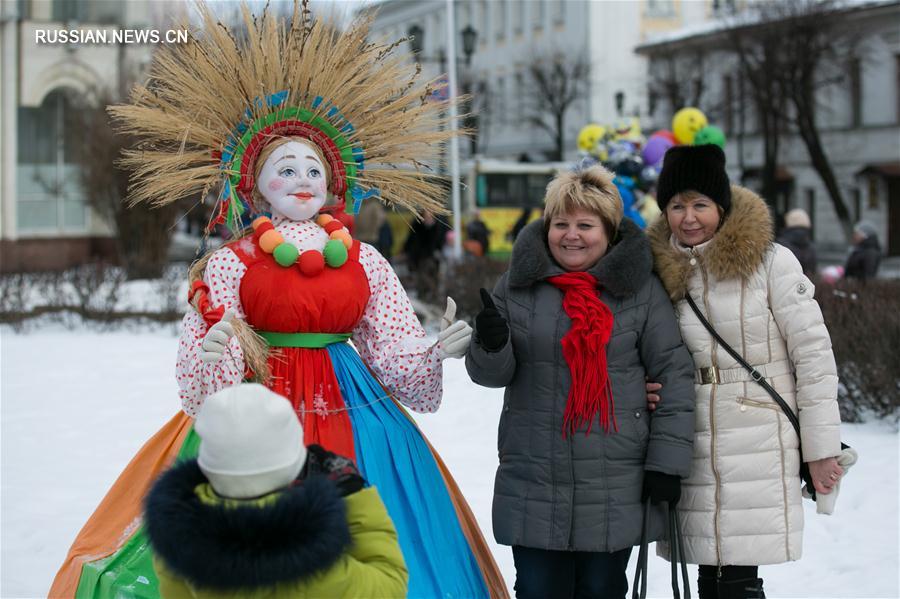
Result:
{"points": [[510, 35], [859, 123], [45, 220], [619, 84]]}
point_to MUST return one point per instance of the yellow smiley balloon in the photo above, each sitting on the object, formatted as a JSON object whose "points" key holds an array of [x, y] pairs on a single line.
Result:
{"points": [[589, 136], [686, 123]]}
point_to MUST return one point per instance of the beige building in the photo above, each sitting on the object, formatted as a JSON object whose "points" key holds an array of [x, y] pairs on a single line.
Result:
{"points": [[51, 51]]}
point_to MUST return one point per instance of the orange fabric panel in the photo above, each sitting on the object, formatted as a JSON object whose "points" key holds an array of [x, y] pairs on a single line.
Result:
{"points": [[118, 515]]}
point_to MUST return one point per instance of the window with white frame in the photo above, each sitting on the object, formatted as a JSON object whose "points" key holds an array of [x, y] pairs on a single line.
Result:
{"points": [[559, 12], [484, 18], [464, 13], [660, 8], [500, 18], [500, 101], [518, 17], [538, 13], [50, 196], [520, 93]]}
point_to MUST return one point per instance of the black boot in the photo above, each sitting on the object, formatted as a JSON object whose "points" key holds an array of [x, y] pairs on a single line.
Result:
{"points": [[744, 588], [707, 586]]}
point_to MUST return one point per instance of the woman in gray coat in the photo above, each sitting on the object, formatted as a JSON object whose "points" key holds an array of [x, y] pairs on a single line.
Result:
{"points": [[571, 331]]}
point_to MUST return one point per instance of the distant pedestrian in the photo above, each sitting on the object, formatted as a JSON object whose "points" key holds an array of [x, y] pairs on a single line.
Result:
{"points": [[865, 255], [478, 233], [797, 237], [423, 249], [369, 223], [520, 224]]}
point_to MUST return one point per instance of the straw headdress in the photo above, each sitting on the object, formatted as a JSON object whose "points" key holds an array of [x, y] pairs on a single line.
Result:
{"points": [[212, 104]]}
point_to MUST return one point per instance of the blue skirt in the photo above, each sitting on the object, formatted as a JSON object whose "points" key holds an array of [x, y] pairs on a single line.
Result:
{"points": [[394, 457]]}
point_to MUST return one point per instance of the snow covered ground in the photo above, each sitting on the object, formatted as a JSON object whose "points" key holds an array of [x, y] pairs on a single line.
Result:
{"points": [[77, 404]]}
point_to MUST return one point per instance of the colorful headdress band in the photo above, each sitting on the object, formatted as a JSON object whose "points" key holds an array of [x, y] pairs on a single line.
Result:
{"points": [[359, 102]]}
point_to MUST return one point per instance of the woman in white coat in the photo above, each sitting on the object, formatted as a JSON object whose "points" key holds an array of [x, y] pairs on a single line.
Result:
{"points": [[740, 508]]}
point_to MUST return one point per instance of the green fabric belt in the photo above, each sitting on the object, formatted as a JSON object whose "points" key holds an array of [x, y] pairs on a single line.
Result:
{"points": [[310, 340]]}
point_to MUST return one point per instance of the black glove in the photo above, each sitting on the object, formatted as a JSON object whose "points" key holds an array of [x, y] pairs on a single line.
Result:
{"points": [[661, 487], [492, 330], [338, 469]]}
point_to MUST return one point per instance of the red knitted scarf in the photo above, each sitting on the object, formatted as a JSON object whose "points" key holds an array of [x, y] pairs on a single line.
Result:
{"points": [[584, 348]]}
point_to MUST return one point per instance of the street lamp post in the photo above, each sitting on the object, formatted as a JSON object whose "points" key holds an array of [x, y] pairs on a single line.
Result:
{"points": [[469, 37]]}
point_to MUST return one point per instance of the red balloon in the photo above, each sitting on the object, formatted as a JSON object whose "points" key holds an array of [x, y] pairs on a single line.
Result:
{"points": [[667, 135]]}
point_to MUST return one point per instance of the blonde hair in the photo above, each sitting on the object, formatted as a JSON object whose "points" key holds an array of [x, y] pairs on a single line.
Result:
{"points": [[591, 189], [259, 202]]}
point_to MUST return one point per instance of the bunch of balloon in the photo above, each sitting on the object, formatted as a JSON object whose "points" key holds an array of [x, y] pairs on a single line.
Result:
{"points": [[691, 126], [619, 147]]}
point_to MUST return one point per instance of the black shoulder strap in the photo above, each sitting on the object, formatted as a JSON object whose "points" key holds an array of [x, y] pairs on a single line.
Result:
{"points": [[753, 372]]}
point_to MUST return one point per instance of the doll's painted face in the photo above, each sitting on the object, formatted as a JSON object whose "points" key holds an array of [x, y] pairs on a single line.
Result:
{"points": [[293, 181]]}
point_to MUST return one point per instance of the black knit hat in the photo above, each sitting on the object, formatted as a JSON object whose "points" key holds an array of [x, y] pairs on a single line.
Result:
{"points": [[697, 168]]}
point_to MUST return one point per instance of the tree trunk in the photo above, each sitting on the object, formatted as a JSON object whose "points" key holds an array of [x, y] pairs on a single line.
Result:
{"points": [[809, 132], [560, 135], [769, 171]]}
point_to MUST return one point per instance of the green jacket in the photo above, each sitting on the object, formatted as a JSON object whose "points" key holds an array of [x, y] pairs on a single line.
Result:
{"points": [[304, 541]]}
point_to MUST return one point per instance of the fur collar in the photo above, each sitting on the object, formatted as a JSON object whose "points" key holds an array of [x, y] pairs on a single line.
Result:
{"points": [[736, 250], [213, 546], [624, 269]]}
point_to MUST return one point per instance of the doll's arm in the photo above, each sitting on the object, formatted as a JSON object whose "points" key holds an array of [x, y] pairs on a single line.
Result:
{"points": [[197, 379]]}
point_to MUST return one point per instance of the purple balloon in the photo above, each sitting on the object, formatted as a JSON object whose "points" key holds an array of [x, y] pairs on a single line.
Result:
{"points": [[655, 150]]}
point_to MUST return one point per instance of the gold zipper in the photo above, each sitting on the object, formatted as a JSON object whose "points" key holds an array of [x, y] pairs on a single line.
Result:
{"points": [[744, 401], [771, 406], [712, 411]]}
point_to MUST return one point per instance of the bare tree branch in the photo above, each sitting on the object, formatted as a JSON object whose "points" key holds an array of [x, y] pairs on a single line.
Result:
{"points": [[554, 83]]}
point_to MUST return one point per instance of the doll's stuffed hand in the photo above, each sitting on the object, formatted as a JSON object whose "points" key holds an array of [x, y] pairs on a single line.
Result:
{"points": [[216, 341], [455, 336]]}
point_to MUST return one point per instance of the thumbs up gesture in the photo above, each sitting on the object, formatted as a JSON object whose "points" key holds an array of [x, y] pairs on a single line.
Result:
{"points": [[493, 331], [216, 340], [455, 335]]}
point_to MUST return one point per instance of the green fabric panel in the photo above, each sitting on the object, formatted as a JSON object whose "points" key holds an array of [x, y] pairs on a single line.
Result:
{"points": [[128, 573], [191, 446], [309, 340]]}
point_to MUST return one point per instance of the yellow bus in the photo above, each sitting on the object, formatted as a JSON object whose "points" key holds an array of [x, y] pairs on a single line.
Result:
{"points": [[500, 191]]}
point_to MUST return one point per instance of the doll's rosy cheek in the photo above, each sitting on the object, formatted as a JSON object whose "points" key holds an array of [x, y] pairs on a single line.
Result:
{"points": [[276, 185]]}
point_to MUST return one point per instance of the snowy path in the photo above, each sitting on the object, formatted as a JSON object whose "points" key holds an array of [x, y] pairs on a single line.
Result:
{"points": [[76, 406]]}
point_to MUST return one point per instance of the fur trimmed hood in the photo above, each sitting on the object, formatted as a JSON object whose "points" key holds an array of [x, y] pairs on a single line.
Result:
{"points": [[220, 547], [736, 250], [624, 269]]}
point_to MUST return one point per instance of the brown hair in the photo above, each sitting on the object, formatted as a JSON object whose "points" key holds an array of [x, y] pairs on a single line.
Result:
{"points": [[259, 202], [590, 189]]}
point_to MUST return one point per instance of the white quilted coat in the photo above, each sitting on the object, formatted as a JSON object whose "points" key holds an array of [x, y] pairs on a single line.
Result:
{"points": [[741, 503]]}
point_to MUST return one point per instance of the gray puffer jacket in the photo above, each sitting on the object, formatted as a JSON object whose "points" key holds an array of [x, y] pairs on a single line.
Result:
{"points": [[583, 493]]}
